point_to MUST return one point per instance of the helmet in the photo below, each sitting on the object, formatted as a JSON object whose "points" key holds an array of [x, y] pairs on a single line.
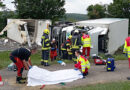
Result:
{"points": [[70, 36], [76, 31], [46, 31]]}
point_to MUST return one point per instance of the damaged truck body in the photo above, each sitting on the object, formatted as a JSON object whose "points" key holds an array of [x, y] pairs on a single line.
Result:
{"points": [[107, 35], [26, 30]]}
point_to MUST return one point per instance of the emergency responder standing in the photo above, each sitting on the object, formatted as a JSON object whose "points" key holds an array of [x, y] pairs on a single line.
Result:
{"points": [[82, 63], [45, 47], [53, 52], [76, 42], [21, 58], [86, 41], [66, 49], [126, 50]]}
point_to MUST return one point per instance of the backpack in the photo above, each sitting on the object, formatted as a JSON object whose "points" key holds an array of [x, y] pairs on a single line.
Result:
{"points": [[110, 64]]}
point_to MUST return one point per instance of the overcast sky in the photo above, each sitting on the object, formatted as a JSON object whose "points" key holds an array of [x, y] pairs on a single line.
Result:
{"points": [[71, 6]]}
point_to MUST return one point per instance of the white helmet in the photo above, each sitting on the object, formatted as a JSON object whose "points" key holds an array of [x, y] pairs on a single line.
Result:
{"points": [[76, 31]]}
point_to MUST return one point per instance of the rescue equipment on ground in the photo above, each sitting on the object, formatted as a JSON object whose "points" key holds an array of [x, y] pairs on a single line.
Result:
{"points": [[110, 64], [99, 61]]}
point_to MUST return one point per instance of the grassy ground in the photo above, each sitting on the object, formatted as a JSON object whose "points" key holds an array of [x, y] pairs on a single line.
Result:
{"points": [[115, 56], [106, 86], [5, 61]]}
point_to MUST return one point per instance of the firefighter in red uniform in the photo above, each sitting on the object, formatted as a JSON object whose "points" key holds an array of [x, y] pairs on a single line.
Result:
{"points": [[53, 52], [21, 58], [126, 50], [82, 63], [66, 49], [86, 41]]}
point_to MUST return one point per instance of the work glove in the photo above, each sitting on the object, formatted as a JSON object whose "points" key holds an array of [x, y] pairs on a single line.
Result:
{"points": [[81, 74], [30, 67], [126, 54], [76, 69]]}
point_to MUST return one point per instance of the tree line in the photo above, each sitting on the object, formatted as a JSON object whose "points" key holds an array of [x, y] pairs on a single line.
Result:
{"points": [[54, 10]]}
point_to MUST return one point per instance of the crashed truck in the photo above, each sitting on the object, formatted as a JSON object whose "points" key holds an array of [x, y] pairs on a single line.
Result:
{"points": [[107, 34], [62, 30], [26, 30]]}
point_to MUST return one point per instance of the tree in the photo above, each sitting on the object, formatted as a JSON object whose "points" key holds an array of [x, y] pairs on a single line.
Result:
{"points": [[96, 11], [40, 9], [5, 13], [120, 9], [2, 5]]}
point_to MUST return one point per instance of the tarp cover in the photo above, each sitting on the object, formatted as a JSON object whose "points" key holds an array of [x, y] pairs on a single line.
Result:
{"points": [[39, 76]]}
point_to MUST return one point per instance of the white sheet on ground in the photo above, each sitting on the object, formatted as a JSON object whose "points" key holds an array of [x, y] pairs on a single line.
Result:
{"points": [[39, 76]]}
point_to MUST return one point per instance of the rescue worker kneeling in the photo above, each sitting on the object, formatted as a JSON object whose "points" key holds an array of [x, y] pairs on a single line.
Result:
{"points": [[82, 63]]}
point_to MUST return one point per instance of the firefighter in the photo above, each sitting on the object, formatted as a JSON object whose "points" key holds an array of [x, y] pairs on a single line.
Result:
{"points": [[66, 49], [82, 63], [53, 52], [76, 42], [21, 58], [86, 41], [45, 47], [69, 49]]}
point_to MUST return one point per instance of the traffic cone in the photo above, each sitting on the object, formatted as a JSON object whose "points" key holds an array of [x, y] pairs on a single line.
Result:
{"points": [[1, 82]]}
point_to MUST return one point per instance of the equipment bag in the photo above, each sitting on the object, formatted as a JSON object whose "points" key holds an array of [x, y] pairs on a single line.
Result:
{"points": [[99, 61], [110, 64]]}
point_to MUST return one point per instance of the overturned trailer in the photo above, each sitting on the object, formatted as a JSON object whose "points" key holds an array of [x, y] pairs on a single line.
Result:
{"points": [[60, 32], [107, 35], [26, 30]]}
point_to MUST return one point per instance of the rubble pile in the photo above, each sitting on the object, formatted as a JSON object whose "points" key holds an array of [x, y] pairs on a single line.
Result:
{"points": [[9, 45]]}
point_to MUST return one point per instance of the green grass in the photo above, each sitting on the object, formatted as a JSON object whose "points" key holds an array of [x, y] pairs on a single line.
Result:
{"points": [[115, 56], [106, 86], [4, 59], [36, 58]]}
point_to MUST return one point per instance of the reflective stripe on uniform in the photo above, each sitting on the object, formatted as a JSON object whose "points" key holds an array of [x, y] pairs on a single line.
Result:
{"points": [[42, 60], [43, 37], [75, 46], [45, 48], [46, 40], [47, 44], [46, 61], [63, 49]]}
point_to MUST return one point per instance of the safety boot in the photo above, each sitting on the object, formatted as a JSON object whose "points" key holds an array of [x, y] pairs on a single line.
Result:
{"points": [[24, 78], [128, 78], [46, 64], [42, 62], [19, 80]]}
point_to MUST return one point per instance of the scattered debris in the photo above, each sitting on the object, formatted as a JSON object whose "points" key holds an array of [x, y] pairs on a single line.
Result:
{"points": [[42, 86], [62, 63], [12, 67]]}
